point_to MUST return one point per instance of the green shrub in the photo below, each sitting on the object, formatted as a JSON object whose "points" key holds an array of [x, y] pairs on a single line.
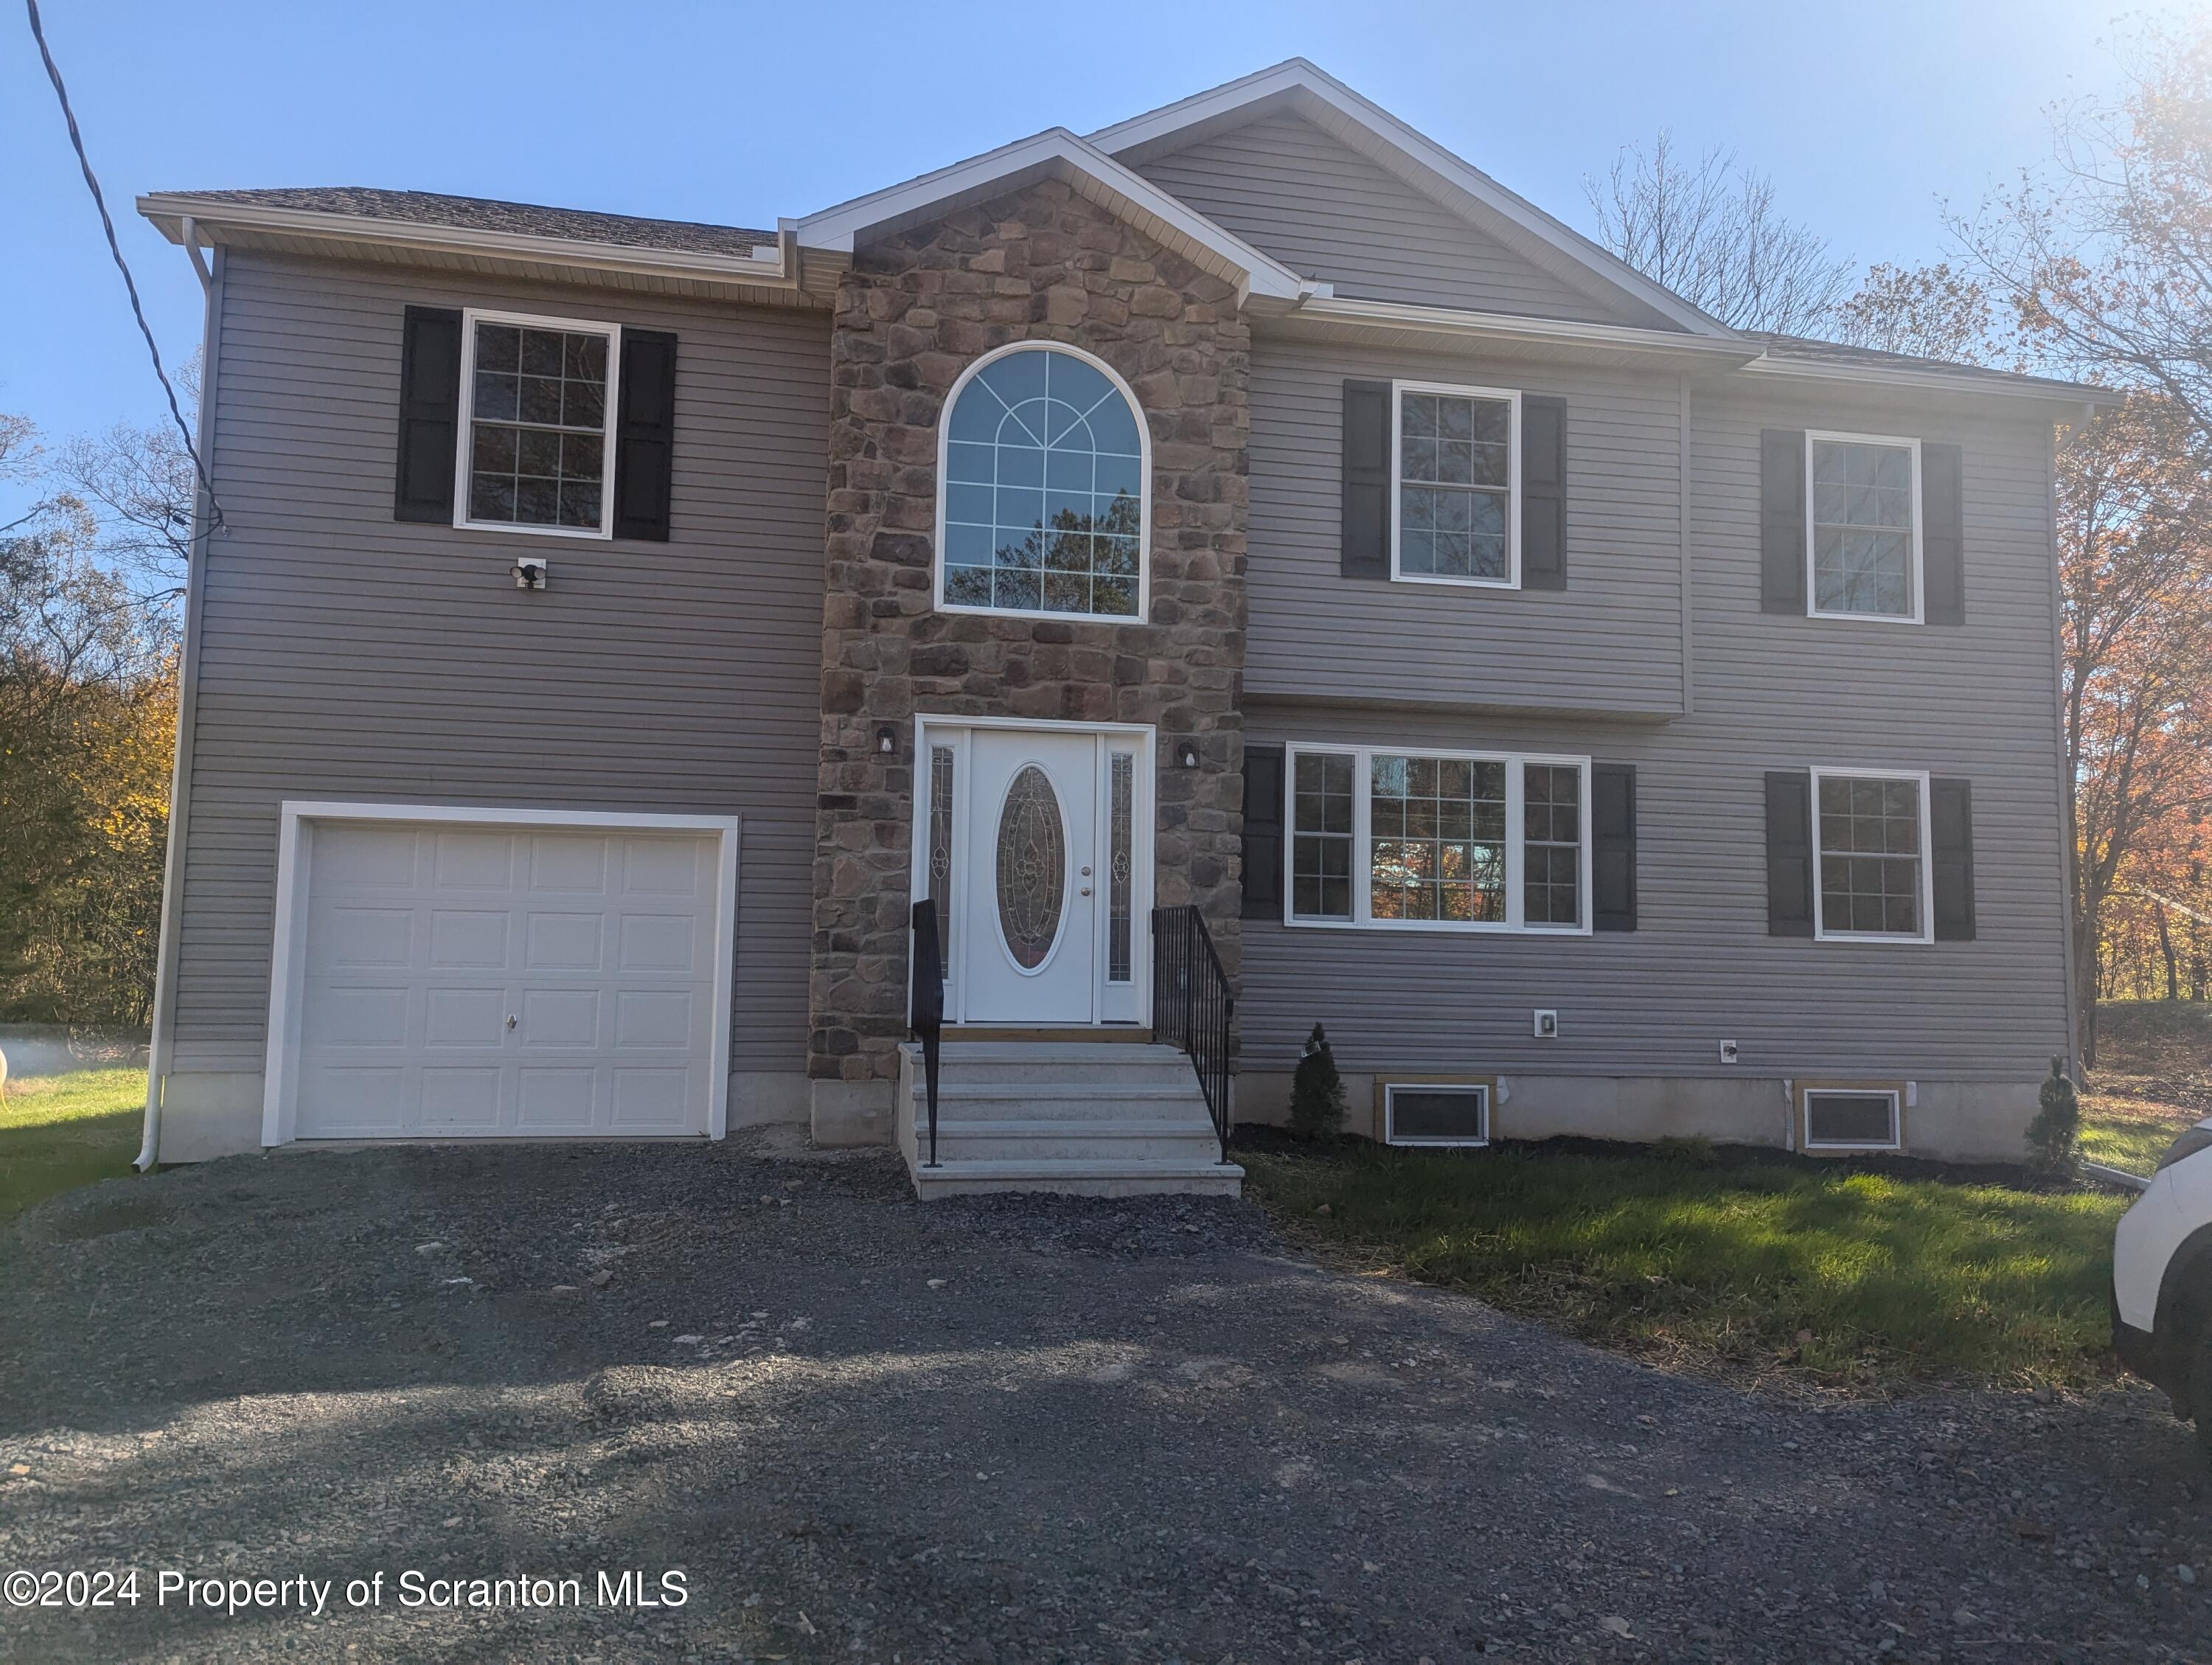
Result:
{"points": [[2054, 1138], [1318, 1091]]}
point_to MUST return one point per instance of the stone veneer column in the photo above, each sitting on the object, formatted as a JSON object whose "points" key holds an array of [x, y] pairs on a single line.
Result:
{"points": [[1040, 264]]}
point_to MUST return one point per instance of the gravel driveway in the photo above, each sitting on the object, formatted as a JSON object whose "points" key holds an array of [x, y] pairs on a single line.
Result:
{"points": [[989, 1431]]}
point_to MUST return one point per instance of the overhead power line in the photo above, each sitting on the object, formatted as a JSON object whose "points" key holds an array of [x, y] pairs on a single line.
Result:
{"points": [[115, 248]]}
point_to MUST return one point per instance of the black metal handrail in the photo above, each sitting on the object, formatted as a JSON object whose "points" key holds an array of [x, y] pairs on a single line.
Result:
{"points": [[1192, 1007], [926, 1004]]}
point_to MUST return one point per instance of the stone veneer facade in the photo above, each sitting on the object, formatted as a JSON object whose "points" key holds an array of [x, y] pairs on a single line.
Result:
{"points": [[916, 309]]}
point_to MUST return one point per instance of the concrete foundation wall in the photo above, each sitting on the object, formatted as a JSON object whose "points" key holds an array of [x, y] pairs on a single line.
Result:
{"points": [[1948, 1121]]}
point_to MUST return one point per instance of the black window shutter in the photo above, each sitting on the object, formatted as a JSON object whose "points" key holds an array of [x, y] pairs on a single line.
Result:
{"points": [[1782, 520], [1612, 847], [1951, 832], [1942, 535], [1367, 484], [1788, 853], [645, 436], [1543, 492], [1263, 832], [430, 414]]}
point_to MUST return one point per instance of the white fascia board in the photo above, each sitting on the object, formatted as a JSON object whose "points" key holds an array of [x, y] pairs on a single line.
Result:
{"points": [[1055, 153], [1420, 161], [1990, 384], [168, 213], [1338, 315]]}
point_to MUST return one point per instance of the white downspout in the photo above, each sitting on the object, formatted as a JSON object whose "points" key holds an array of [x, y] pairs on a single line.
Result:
{"points": [[160, 1042]]}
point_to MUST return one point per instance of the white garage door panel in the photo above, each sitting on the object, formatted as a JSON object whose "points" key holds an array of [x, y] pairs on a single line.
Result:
{"points": [[481, 982]]}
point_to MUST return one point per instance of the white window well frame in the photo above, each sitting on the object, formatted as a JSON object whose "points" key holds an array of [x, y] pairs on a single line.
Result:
{"points": [[1821, 932], [1144, 613], [1812, 609], [1486, 1090], [1807, 1094], [463, 444], [1510, 397], [1363, 756]]}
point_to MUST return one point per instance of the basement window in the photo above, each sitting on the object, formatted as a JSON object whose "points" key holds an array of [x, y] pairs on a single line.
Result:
{"points": [[1436, 1114], [1853, 1118]]}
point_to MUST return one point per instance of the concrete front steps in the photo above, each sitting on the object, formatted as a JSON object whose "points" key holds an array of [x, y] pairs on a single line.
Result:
{"points": [[1083, 1118]]}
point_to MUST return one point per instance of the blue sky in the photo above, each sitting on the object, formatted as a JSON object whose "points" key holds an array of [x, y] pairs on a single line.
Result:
{"points": [[740, 113]]}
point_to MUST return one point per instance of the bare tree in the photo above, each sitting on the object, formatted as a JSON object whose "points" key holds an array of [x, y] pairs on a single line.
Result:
{"points": [[2107, 256], [1933, 311], [1710, 231], [142, 487]]}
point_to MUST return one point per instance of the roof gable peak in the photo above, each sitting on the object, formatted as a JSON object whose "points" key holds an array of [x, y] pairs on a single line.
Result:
{"points": [[1302, 88], [1058, 153]]}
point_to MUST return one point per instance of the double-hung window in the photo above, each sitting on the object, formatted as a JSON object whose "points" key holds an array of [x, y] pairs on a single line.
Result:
{"points": [[1406, 838], [1871, 874], [536, 437], [1455, 470], [1863, 542]]}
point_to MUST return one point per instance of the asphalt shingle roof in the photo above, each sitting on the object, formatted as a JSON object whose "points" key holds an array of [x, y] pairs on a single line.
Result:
{"points": [[520, 218], [1835, 352]]}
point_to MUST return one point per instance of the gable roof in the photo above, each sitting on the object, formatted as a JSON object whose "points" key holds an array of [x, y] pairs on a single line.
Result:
{"points": [[1419, 160], [1055, 154]]}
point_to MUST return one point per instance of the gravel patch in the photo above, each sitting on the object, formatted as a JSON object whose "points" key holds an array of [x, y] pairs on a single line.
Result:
{"points": [[988, 1429]]}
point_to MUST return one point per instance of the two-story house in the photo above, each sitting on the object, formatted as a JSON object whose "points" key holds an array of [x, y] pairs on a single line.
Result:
{"points": [[1245, 552]]}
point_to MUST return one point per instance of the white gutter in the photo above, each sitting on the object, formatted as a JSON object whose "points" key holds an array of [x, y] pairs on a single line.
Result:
{"points": [[1997, 383], [1321, 307], [766, 265], [160, 1043]]}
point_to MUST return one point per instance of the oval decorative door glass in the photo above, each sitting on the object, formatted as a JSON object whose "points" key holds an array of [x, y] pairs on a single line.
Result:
{"points": [[1032, 867]]}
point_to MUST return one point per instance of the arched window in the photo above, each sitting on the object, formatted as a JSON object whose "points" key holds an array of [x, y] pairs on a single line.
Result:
{"points": [[1042, 505]]}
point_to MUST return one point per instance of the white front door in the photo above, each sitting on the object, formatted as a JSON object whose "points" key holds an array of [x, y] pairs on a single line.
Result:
{"points": [[1032, 877], [1036, 842]]}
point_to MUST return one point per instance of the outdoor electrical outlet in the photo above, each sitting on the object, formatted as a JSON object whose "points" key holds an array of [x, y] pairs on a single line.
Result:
{"points": [[1729, 1054], [1546, 1027]]}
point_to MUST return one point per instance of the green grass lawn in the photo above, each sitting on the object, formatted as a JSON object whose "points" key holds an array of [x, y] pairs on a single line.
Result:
{"points": [[2154, 1078], [1856, 1280], [61, 1131]]}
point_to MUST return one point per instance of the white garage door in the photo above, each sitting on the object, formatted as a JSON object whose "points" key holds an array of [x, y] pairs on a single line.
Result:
{"points": [[462, 982]]}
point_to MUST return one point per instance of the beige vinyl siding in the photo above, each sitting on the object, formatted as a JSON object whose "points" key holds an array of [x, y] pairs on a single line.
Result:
{"points": [[1327, 212], [345, 655], [1610, 641], [1772, 692]]}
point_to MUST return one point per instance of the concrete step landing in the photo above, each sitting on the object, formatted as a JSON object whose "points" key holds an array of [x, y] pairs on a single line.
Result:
{"points": [[1080, 1118]]}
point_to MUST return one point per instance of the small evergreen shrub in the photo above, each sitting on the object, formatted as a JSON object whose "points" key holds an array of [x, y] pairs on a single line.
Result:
{"points": [[2054, 1138], [1318, 1091]]}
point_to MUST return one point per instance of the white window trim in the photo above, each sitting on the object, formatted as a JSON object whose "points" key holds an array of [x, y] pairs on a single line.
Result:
{"points": [[1144, 613], [1927, 932], [1511, 395], [1812, 610], [1362, 919], [1807, 1095], [1474, 1089], [471, 317]]}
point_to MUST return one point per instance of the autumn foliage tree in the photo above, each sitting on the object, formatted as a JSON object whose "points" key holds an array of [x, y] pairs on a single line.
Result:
{"points": [[88, 717], [2136, 573]]}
